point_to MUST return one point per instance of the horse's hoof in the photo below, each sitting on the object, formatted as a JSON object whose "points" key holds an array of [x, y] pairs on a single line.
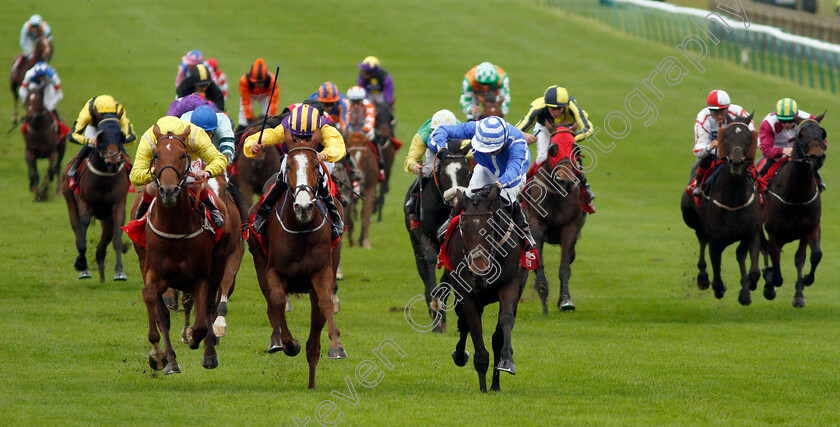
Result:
{"points": [[220, 327], [85, 274], [210, 362], [799, 302], [366, 245], [769, 292], [744, 297], [170, 302], [753, 278], [337, 353], [545, 309], [703, 281], [507, 366], [438, 329], [80, 264], [460, 361], [221, 309], [288, 306], [808, 280], [566, 305], [155, 364], [120, 277], [172, 368], [720, 291], [293, 349], [274, 347]]}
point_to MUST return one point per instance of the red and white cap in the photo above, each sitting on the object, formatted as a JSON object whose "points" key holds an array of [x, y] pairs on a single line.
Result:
{"points": [[717, 100]]}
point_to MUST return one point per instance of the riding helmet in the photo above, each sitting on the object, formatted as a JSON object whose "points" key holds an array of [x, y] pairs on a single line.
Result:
{"points": [[490, 135], [487, 74], [717, 100], [786, 109], [205, 118], [556, 96], [328, 92]]}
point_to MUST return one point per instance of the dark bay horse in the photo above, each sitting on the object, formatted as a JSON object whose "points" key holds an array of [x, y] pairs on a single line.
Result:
{"points": [[555, 215], [41, 133], [491, 105], [484, 250], [792, 208], [103, 186], [384, 140], [252, 173], [730, 212], [450, 173], [43, 52], [180, 252], [299, 257], [359, 147]]}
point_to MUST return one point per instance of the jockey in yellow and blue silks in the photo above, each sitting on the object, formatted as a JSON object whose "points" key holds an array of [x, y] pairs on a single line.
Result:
{"points": [[502, 158], [198, 146], [334, 102], [95, 110], [549, 112], [302, 125]]}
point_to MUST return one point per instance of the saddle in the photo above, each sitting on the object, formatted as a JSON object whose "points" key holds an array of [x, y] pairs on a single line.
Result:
{"points": [[764, 181]]}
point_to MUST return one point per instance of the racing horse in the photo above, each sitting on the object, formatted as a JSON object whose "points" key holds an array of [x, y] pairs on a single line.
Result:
{"points": [[42, 52], [384, 141], [555, 215], [180, 251], [361, 149], [251, 173], [491, 105], [296, 255], [730, 212], [41, 133], [449, 174], [486, 247], [792, 208], [102, 189]]}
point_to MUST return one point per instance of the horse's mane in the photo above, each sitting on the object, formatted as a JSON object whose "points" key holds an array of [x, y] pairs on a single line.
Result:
{"points": [[723, 147]]}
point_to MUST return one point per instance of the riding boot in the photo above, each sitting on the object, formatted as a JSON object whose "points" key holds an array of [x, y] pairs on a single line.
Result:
{"points": [[215, 213], [143, 206], [588, 195], [355, 178], [702, 168], [83, 154], [820, 182], [380, 162], [271, 198], [332, 210], [519, 219]]}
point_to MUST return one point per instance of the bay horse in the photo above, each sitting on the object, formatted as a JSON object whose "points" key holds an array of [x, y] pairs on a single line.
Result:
{"points": [[730, 213], [252, 173], [555, 214], [42, 52], [180, 252], [361, 150], [486, 247], [299, 257], [491, 105], [792, 208], [449, 174], [384, 140], [102, 189], [41, 133]]}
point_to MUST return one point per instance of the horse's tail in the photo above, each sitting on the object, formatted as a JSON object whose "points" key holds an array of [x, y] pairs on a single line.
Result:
{"points": [[239, 201]]}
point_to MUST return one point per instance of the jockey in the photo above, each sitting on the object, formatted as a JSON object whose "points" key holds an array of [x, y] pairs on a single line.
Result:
{"points": [[420, 146], [42, 75], [32, 29], [198, 146], [255, 86], [367, 120], [376, 81], [217, 126], [555, 109], [96, 109], [189, 103], [482, 78], [302, 124], [188, 62], [218, 76], [334, 102], [706, 127], [502, 156], [200, 81], [777, 135]]}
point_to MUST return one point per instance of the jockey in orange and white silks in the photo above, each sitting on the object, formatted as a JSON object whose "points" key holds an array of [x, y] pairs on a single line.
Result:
{"points": [[32, 29], [484, 77], [709, 122]]}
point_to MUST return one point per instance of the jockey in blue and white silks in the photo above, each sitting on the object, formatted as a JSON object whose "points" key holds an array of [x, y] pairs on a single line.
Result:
{"points": [[502, 155]]}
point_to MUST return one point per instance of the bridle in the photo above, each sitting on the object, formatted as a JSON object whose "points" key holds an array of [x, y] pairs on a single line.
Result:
{"points": [[435, 171], [297, 189], [182, 174], [496, 241], [728, 160], [548, 187], [803, 156]]}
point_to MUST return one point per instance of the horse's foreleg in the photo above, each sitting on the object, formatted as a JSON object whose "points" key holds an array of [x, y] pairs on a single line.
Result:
{"points": [[232, 265], [187, 304], [540, 281], [118, 214], [367, 213], [150, 297], [162, 312], [472, 312], [102, 247], [277, 314], [702, 276], [717, 283], [741, 254], [816, 255], [81, 263], [461, 356], [322, 285], [755, 249], [210, 360], [567, 243], [32, 168], [799, 258], [313, 344], [425, 259], [200, 295]]}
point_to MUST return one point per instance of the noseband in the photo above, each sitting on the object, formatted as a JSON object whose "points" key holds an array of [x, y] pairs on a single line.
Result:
{"points": [[728, 160], [803, 151]]}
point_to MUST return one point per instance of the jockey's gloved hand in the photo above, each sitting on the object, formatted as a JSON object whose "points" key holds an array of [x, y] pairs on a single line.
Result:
{"points": [[443, 153]]}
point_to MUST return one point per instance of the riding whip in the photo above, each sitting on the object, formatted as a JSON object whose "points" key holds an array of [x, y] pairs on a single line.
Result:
{"points": [[270, 95]]}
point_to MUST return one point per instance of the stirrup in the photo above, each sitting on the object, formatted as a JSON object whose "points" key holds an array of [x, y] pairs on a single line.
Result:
{"points": [[218, 219]]}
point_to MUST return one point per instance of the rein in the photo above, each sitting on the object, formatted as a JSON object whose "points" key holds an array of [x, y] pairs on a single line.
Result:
{"points": [[183, 175], [170, 236], [550, 188], [310, 190], [435, 173]]}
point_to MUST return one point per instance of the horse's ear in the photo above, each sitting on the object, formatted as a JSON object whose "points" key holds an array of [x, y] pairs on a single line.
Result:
{"points": [[317, 138], [156, 132], [461, 198], [750, 117], [185, 133], [494, 192], [820, 117], [797, 119], [553, 149]]}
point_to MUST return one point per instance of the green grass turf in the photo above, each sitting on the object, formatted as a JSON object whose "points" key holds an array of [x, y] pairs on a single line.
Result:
{"points": [[644, 347]]}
